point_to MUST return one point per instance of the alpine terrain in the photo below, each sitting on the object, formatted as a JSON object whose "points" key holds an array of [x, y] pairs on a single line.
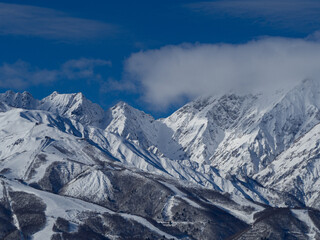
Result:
{"points": [[233, 166]]}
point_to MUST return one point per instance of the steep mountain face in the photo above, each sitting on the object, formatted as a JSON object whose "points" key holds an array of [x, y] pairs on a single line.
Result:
{"points": [[296, 170], [220, 131], [143, 130], [73, 106], [201, 126], [46, 165], [19, 100], [223, 167]]}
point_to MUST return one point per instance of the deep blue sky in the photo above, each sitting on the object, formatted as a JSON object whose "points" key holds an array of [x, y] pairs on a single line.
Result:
{"points": [[120, 28]]}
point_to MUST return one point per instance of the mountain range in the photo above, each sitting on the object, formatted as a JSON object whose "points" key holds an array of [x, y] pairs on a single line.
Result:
{"points": [[230, 166]]}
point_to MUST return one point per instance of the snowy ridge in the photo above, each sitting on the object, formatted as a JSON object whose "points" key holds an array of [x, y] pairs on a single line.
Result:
{"points": [[202, 142], [254, 149]]}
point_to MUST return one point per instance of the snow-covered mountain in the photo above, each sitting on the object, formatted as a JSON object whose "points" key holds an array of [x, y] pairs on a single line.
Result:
{"points": [[221, 167]]}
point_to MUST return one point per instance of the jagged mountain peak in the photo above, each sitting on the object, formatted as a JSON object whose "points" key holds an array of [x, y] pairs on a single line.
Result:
{"points": [[261, 147], [308, 91], [62, 96], [19, 100], [75, 106], [120, 104], [126, 109], [123, 113], [256, 128], [129, 122], [53, 94]]}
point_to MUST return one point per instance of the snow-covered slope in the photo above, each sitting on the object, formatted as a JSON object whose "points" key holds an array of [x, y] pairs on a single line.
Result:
{"points": [[243, 134], [19, 100], [297, 169], [215, 160], [74, 106]]}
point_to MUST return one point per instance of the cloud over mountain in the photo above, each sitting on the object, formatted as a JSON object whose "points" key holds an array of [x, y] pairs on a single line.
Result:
{"points": [[171, 73]]}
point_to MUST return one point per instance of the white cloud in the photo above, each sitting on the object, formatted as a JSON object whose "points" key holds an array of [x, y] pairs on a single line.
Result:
{"points": [[166, 76], [42, 22], [21, 74]]}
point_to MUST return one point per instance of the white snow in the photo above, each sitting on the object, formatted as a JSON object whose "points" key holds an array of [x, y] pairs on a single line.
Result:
{"points": [[181, 195], [69, 208], [215, 142], [147, 224], [303, 216]]}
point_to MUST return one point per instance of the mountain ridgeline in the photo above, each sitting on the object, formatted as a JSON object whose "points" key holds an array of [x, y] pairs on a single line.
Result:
{"points": [[220, 167]]}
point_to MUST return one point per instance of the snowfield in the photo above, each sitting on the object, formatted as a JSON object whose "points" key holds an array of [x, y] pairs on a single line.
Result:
{"points": [[220, 167]]}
